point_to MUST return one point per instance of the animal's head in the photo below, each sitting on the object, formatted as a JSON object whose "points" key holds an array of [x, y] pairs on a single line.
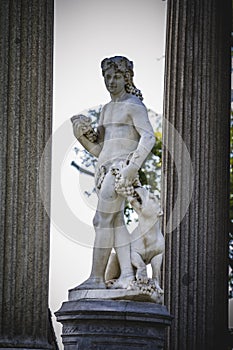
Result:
{"points": [[145, 203]]}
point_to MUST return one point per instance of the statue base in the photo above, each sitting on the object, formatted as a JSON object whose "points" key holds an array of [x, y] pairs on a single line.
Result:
{"points": [[117, 294], [97, 324]]}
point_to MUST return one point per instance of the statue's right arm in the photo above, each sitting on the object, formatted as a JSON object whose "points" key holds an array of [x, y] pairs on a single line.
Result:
{"points": [[92, 147]]}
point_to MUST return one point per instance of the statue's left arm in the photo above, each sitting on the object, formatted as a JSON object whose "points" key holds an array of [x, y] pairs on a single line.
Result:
{"points": [[146, 142]]}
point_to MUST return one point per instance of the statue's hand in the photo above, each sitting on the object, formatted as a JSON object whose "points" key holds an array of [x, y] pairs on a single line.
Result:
{"points": [[82, 126], [128, 174], [78, 129]]}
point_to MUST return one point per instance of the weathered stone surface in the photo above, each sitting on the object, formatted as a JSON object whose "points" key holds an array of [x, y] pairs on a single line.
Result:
{"points": [[107, 324], [26, 39], [197, 104], [114, 294]]}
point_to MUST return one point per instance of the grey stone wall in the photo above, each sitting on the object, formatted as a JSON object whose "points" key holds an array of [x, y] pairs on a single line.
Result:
{"points": [[26, 42], [197, 104]]}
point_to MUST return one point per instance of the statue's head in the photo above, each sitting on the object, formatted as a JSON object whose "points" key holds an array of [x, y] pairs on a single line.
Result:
{"points": [[124, 66]]}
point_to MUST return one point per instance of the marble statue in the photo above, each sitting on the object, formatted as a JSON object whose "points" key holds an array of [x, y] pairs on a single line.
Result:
{"points": [[123, 140]]}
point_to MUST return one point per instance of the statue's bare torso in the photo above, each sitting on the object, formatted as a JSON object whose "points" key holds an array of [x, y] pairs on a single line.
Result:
{"points": [[122, 124]]}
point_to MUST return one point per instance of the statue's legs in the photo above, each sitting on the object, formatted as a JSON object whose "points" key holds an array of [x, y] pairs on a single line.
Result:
{"points": [[111, 232], [104, 235], [122, 247], [110, 227]]}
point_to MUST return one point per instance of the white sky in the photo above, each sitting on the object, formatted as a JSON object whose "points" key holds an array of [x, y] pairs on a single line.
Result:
{"points": [[86, 31]]}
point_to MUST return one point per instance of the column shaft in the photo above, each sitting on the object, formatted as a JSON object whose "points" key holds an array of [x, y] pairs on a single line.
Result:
{"points": [[26, 35], [197, 104]]}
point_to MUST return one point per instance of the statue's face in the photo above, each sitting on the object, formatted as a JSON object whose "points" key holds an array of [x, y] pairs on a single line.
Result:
{"points": [[114, 81]]}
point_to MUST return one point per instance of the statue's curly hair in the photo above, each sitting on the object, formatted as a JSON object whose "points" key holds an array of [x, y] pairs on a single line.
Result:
{"points": [[123, 65]]}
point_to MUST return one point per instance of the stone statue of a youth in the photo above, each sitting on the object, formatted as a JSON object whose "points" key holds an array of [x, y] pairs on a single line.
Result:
{"points": [[123, 140]]}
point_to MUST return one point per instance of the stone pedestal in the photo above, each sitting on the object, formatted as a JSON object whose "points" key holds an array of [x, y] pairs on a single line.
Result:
{"points": [[110, 324]]}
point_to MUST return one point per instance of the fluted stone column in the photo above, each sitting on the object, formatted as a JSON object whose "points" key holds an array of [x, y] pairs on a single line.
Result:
{"points": [[197, 104], [26, 35]]}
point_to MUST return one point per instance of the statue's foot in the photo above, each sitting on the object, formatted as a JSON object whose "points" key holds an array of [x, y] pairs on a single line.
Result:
{"points": [[121, 283], [141, 275], [155, 284], [110, 283], [92, 283], [142, 279]]}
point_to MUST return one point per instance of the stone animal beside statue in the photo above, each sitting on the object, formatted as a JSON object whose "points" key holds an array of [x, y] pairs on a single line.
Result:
{"points": [[147, 242]]}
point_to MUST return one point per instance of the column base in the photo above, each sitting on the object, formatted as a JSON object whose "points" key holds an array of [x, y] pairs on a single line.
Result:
{"points": [[24, 345], [113, 325], [24, 348]]}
